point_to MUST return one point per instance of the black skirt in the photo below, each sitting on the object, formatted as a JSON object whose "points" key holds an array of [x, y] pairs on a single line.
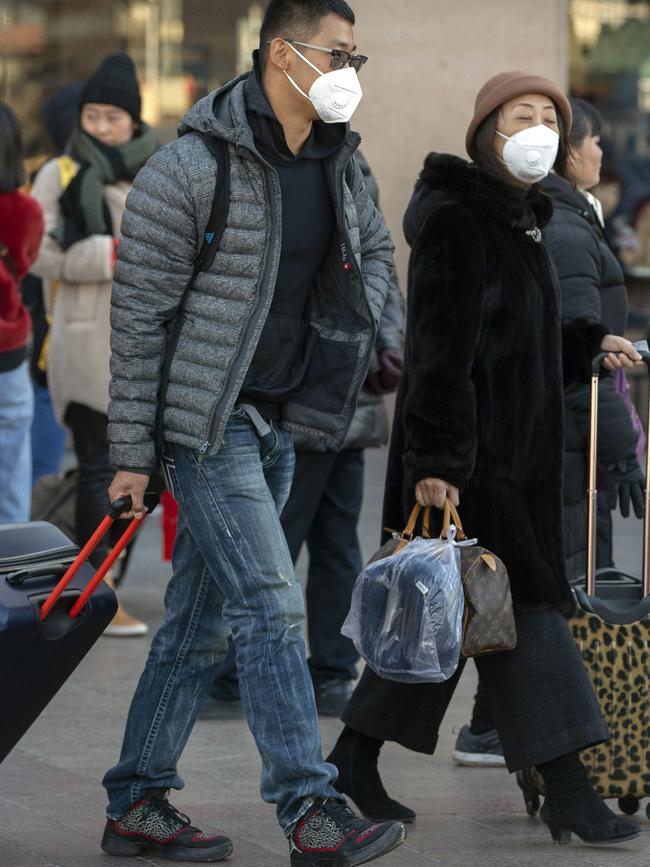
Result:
{"points": [[540, 695]]}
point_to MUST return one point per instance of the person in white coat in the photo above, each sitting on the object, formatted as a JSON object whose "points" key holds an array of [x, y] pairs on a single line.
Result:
{"points": [[83, 195]]}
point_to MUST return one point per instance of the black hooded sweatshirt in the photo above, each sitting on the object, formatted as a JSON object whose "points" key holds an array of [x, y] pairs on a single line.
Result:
{"points": [[308, 223]]}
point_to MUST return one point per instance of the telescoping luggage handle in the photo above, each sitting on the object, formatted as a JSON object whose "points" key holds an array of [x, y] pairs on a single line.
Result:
{"points": [[593, 492], [123, 504]]}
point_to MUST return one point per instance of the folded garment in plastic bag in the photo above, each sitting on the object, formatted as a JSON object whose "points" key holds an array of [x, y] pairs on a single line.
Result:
{"points": [[406, 616]]}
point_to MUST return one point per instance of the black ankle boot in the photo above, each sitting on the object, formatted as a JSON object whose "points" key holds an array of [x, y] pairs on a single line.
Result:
{"points": [[572, 806], [356, 755]]}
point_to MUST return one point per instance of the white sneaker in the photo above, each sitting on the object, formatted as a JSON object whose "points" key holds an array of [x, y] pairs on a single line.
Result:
{"points": [[478, 751], [124, 625]]}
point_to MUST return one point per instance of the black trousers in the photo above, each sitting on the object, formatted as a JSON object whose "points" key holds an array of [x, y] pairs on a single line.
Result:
{"points": [[322, 511], [89, 432], [90, 435], [540, 696]]}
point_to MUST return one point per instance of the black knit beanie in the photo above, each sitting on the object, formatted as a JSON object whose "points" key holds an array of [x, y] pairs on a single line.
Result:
{"points": [[114, 82]]}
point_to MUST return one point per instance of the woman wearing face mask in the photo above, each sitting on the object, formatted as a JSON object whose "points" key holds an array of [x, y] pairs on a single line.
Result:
{"points": [[592, 286], [479, 420], [83, 197]]}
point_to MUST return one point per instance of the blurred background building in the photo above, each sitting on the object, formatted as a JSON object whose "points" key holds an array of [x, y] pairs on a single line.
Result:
{"points": [[427, 60]]}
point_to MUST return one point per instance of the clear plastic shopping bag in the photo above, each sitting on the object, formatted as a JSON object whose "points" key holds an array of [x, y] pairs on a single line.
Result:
{"points": [[406, 617]]}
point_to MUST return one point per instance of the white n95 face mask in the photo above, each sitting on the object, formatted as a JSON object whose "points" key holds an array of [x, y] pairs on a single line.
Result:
{"points": [[335, 95], [530, 155]]}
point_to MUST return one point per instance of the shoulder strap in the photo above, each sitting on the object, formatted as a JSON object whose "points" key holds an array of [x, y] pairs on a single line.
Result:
{"points": [[349, 171], [220, 204], [211, 236]]}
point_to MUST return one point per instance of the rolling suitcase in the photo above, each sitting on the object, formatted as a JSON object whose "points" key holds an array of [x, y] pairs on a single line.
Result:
{"points": [[53, 608], [611, 627]]}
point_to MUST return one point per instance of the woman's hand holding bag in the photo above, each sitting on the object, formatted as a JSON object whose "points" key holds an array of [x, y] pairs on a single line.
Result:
{"points": [[434, 492]]}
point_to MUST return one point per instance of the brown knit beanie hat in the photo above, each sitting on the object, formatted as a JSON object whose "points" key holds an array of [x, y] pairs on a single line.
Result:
{"points": [[508, 85]]}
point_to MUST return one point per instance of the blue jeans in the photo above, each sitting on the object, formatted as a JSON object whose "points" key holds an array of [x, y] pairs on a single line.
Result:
{"points": [[322, 510], [232, 573], [16, 412], [48, 437]]}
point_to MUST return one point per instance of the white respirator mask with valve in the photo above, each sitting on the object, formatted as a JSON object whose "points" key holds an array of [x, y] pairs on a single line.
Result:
{"points": [[335, 95], [529, 155]]}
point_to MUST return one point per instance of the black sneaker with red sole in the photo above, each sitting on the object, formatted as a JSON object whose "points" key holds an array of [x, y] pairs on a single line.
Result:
{"points": [[153, 826], [331, 835]]}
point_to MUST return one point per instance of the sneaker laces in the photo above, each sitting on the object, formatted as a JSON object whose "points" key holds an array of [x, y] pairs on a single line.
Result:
{"points": [[171, 811], [343, 815]]}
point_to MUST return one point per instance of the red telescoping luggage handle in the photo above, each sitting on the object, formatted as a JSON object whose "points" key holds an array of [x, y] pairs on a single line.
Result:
{"points": [[593, 490], [123, 504]]}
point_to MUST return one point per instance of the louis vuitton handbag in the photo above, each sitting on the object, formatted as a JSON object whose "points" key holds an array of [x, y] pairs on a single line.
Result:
{"points": [[488, 621]]}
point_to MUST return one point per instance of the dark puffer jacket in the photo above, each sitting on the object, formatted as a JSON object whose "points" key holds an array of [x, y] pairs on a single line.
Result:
{"points": [[370, 426], [592, 287], [480, 402]]}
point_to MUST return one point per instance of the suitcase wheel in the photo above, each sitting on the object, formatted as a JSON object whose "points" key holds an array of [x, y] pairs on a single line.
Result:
{"points": [[628, 805]]}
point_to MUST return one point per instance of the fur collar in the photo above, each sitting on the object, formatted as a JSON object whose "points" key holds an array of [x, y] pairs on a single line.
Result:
{"points": [[445, 179]]}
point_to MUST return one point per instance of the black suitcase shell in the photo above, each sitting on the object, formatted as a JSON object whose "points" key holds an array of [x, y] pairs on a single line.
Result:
{"points": [[36, 657]]}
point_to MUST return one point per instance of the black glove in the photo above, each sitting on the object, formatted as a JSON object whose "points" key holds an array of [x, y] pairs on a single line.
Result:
{"points": [[625, 484], [391, 362], [385, 378]]}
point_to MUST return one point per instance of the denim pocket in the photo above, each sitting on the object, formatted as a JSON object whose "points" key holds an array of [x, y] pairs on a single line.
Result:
{"points": [[270, 447]]}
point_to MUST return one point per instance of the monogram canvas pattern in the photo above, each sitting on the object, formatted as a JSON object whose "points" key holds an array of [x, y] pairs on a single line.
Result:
{"points": [[489, 624]]}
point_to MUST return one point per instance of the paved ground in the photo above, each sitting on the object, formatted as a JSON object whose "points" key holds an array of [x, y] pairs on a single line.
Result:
{"points": [[51, 803]]}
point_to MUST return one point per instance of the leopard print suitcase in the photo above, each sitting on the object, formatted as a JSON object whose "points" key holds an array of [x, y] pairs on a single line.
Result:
{"points": [[614, 643], [612, 632]]}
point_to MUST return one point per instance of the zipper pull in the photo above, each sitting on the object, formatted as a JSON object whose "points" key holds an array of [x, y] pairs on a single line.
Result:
{"points": [[202, 453]]}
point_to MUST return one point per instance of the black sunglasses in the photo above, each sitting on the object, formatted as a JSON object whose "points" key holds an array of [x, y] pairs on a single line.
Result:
{"points": [[340, 59]]}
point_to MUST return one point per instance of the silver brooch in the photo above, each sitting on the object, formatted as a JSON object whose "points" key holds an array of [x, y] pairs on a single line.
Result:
{"points": [[535, 235]]}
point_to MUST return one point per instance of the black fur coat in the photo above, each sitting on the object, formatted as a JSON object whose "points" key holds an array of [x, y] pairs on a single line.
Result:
{"points": [[480, 403]]}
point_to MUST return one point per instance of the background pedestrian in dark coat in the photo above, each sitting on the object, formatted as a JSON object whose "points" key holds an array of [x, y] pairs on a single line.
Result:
{"points": [[479, 416], [592, 286]]}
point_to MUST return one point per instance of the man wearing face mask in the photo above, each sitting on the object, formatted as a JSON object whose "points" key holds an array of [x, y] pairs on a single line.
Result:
{"points": [[275, 337]]}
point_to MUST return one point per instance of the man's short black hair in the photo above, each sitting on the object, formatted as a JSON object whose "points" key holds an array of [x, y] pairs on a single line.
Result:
{"points": [[298, 19]]}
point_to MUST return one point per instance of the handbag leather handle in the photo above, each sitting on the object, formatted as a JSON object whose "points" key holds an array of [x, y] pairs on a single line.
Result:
{"points": [[409, 530], [450, 515], [408, 533]]}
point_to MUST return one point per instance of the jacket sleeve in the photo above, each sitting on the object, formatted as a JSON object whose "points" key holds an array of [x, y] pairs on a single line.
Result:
{"points": [[154, 268], [87, 261], [391, 326], [576, 256], [617, 438], [377, 265], [581, 341], [445, 301]]}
